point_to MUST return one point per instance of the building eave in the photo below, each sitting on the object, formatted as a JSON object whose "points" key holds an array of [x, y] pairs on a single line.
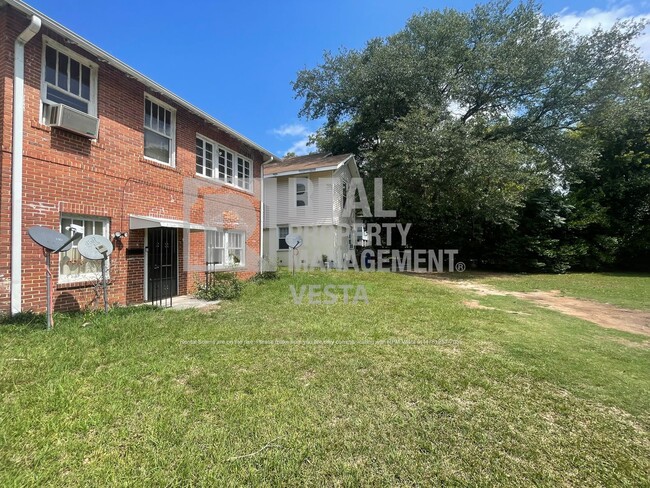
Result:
{"points": [[113, 61]]}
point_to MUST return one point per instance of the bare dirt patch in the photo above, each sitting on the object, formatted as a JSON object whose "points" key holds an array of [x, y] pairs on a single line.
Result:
{"points": [[477, 304], [602, 314]]}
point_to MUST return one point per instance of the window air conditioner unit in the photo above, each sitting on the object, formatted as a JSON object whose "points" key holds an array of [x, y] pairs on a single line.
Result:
{"points": [[73, 120]]}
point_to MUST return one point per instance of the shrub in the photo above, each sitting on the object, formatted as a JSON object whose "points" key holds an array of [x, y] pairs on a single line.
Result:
{"points": [[265, 276], [222, 286]]}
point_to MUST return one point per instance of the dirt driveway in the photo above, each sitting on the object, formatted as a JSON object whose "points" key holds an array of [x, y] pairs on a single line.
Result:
{"points": [[603, 314]]}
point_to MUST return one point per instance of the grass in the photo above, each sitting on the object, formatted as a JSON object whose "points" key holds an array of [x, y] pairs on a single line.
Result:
{"points": [[412, 388], [620, 289]]}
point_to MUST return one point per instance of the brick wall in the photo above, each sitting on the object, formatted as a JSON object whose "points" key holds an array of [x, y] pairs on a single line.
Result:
{"points": [[109, 177]]}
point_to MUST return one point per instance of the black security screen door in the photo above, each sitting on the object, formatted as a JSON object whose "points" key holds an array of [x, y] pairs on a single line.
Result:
{"points": [[162, 269]]}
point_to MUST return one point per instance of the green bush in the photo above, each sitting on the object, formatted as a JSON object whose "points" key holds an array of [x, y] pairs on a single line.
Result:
{"points": [[222, 286], [265, 276]]}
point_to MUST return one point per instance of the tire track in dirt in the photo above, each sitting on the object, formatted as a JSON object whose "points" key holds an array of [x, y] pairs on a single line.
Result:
{"points": [[603, 314]]}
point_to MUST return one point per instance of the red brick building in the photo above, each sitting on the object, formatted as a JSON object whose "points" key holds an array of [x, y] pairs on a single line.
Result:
{"points": [[182, 186]]}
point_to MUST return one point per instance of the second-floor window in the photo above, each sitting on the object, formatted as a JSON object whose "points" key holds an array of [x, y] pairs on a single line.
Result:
{"points": [[159, 130], [243, 173], [218, 162], [302, 193], [204, 157], [68, 79]]}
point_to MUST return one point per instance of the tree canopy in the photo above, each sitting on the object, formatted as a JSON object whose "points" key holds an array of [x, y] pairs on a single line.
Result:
{"points": [[491, 129]]}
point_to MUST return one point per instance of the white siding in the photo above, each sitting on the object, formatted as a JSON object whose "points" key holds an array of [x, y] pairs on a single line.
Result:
{"points": [[340, 176], [280, 197], [323, 228]]}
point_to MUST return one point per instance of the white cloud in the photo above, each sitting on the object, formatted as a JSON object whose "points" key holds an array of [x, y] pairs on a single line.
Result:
{"points": [[300, 147], [298, 132], [586, 21], [292, 130]]}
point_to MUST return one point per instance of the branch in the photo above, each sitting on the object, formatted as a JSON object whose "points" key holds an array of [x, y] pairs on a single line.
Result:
{"points": [[267, 446]]}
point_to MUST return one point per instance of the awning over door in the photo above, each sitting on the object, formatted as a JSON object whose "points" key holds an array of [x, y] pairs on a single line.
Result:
{"points": [[138, 222]]}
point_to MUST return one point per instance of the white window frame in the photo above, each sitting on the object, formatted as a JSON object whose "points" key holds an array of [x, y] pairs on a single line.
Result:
{"points": [[228, 262], [307, 185], [92, 103], [280, 227], [232, 164], [229, 247], [172, 143], [215, 156], [208, 248], [66, 278]]}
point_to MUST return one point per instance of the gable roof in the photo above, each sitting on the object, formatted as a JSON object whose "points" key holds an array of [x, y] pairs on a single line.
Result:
{"points": [[112, 61], [308, 163]]}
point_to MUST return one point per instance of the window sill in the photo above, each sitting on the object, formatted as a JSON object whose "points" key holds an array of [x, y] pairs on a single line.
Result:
{"points": [[222, 183], [87, 283], [159, 164], [220, 268]]}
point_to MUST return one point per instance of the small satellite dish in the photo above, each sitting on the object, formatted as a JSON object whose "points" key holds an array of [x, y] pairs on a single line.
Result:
{"points": [[294, 241], [49, 239], [95, 247]]}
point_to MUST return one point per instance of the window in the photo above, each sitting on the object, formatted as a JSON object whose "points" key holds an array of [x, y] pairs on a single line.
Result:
{"points": [[243, 173], [302, 196], [215, 248], [159, 129], [72, 266], [204, 157], [235, 247], [282, 233], [345, 193], [224, 248], [68, 78], [228, 167]]}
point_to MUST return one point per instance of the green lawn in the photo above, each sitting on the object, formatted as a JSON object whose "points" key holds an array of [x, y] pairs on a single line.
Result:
{"points": [[413, 388], [620, 289]]}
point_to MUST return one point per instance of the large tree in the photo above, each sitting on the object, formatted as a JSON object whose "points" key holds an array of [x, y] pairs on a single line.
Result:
{"points": [[470, 116]]}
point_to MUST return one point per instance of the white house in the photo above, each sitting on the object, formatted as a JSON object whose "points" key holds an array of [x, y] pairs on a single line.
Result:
{"points": [[306, 195]]}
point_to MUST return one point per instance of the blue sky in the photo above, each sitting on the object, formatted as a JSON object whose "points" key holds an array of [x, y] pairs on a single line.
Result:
{"points": [[236, 60]]}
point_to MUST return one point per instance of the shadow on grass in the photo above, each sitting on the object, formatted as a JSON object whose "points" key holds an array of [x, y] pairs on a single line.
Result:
{"points": [[626, 274], [37, 321], [30, 320]]}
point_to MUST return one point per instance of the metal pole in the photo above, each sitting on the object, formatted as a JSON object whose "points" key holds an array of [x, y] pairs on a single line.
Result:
{"points": [[48, 287], [104, 284]]}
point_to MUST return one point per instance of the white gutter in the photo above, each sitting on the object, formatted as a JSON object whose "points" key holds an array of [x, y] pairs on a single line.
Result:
{"points": [[111, 60], [17, 163], [262, 213]]}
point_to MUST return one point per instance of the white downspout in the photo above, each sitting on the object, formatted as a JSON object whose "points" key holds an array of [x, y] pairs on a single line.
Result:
{"points": [[262, 214], [17, 163]]}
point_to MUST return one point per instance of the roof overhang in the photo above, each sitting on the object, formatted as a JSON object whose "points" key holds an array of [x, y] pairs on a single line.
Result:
{"points": [[142, 222], [314, 169], [301, 171], [113, 61]]}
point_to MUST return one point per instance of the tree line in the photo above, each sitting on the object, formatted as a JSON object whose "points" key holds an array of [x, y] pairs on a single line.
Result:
{"points": [[498, 133]]}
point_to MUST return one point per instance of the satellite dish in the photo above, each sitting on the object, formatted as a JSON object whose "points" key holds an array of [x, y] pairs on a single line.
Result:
{"points": [[294, 241], [95, 247], [49, 239]]}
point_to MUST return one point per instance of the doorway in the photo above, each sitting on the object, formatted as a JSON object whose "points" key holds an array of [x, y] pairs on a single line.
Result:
{"points": [[162, 265]]}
